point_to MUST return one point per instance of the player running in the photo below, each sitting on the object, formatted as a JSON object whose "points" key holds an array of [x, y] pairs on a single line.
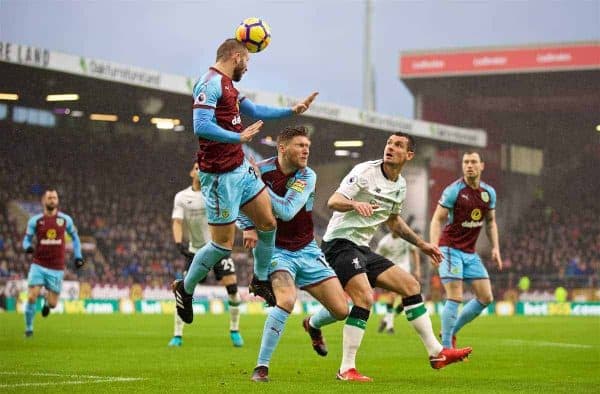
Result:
{"points": [[462, 209], [189, 209], [228, 181], [48, 262], [373, 193]]}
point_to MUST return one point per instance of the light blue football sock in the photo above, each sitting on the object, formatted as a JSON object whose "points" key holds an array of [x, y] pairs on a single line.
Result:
{"points": [[272, 332], [29, 314], [470, 311], [322, 318], [205, 258], [263, 253], [448, 320]]}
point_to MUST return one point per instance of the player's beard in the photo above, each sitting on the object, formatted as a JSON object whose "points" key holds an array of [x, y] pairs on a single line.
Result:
{"points": [[50, 208], [238, 71]]}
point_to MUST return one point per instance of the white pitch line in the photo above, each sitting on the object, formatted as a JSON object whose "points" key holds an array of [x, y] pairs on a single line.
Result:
{"points": [[91, 379], [520, 342], [70, 382]]}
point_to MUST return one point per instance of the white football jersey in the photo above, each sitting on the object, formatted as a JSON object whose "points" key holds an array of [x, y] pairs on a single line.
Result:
{"points": [[366, 183], [397, 250], [189, 206]]}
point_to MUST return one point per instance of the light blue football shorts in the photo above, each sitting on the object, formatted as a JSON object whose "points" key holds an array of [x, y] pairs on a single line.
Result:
{"points": [[42, 276], [458, 265], [307, 266], [225, 193]]}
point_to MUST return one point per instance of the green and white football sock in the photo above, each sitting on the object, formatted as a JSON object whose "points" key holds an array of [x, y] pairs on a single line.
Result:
{"points": [[417, 316], [353, 333]]}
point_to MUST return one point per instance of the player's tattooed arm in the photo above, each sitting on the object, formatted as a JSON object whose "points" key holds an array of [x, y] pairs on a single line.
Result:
{"points": [[399, 226]]}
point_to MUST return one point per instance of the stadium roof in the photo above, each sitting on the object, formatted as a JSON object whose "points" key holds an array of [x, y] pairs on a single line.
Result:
{"points": [[481, 61], [165, 95], [535, 88]]}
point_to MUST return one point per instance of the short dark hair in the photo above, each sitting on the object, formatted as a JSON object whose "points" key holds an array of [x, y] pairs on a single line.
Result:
{"points": [[290, 132], [411, 141], [471, 152], [229, 47]]}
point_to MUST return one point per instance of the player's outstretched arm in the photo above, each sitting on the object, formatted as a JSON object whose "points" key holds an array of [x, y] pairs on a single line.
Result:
{"points": [[256, 111]]}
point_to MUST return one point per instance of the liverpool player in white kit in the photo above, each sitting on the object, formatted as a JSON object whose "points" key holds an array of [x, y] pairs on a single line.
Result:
{"points": [[371, 194], [189, 208]]}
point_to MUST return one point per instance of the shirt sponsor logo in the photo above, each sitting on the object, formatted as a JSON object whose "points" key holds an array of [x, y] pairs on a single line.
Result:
{"points": [[471, 224], [51, 234], [476, 214], [48, 242]]}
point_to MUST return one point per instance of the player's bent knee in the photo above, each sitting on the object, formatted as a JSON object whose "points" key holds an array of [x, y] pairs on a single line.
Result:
{"points": [[486, 299], [340, 313], [269, 224], [365, 299], [414, 287], [286, 303], [408, 287]]}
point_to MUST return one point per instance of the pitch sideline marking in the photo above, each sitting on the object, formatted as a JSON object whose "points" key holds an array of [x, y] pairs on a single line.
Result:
{"points": [[519, 342], [91, 379]]}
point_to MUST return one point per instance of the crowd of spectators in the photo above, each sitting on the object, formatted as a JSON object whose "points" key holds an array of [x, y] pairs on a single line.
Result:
{"points": [[557, 240], [119, 189]]}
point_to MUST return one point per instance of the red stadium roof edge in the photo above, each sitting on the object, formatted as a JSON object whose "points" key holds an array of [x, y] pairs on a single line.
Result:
{"points": [[500, 60]]}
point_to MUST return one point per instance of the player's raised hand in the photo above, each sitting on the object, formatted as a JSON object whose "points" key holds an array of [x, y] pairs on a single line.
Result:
{"points": [[250, 238], [433, 252], [249, 132], [365, 209], [497, 259], [302, 106]]}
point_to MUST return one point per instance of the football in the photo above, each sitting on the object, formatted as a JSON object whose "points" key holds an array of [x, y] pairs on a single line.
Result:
{"points": [[255, 33]]}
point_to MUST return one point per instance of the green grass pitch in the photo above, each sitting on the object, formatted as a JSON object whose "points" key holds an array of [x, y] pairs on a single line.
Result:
{"points": [[129, 353]]}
